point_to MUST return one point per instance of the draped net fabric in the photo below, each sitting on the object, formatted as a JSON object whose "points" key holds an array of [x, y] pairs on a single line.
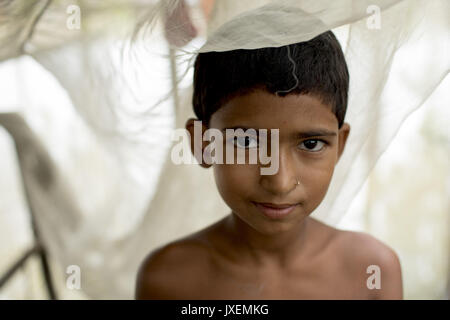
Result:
{"points": [[120, 85]]}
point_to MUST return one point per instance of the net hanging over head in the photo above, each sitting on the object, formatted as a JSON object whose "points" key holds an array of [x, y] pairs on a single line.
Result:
{"points": [[387, 84], [378, 39]]}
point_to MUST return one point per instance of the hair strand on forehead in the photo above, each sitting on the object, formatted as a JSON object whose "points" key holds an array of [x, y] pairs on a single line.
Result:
{"points": [[294, 65]]}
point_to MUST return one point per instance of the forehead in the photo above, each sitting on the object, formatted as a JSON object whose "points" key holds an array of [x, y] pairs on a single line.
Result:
{"points": [[262, 109]]}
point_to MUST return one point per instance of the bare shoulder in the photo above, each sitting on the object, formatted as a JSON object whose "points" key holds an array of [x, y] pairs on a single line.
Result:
{"points": [[169, 270], [373, 262]]}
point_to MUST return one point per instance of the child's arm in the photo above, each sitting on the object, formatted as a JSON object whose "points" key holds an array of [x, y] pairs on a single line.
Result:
{"points": [[391, 276], [148, 281], [169, 272], [157, 273], [376, 264]]}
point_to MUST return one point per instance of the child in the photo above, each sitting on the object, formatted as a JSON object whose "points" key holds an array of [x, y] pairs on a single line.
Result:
{"points": [[269, 247]]}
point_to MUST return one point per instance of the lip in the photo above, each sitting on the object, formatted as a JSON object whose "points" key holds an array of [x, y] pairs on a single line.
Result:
{"points": [[275, 211]]}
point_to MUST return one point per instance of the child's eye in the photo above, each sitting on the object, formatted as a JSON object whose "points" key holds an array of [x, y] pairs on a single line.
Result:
{"points": [[245, 142], [313, 145]]}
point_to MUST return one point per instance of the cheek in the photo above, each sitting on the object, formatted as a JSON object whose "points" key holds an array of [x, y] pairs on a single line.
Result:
{"points": [[316, 180], [235, 182]]}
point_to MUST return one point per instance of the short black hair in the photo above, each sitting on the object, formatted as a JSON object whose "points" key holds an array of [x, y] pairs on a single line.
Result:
{"points": [[316, 66]]}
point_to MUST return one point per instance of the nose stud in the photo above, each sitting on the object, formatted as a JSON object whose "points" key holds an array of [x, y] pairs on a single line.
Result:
{"points": [[297, 183]]}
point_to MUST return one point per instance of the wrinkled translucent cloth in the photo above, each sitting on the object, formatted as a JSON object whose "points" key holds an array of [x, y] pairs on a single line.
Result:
{"points": [[397, 53]]}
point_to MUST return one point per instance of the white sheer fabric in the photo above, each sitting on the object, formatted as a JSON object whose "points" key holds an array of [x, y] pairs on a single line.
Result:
{"points": [[147, 200]]}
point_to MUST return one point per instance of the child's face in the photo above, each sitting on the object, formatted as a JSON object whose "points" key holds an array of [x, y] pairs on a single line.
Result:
{"points": [[310, 160]]}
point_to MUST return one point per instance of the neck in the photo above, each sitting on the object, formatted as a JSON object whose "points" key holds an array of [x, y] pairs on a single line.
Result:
{"points": [[274, 249]]}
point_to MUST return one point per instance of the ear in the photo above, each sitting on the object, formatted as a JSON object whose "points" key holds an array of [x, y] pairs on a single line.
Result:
{"points": [[344, 131], [198, 148]]}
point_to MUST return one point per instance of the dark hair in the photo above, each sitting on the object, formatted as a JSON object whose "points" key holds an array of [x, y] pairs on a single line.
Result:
{"points": [[316, 66]]}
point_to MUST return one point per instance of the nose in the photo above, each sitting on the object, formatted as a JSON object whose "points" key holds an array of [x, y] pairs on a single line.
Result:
{"points": [[285, 179]]}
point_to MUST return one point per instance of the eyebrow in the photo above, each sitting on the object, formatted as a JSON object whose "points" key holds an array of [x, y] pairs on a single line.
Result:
{"points": [[316, 133], [319, 132]]}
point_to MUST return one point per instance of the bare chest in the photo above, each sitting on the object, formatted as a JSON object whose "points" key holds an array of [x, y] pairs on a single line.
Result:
{"points": [[310, 282]]}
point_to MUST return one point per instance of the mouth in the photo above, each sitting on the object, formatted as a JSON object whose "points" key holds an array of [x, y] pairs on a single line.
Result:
{"points": [[275, 211]]}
